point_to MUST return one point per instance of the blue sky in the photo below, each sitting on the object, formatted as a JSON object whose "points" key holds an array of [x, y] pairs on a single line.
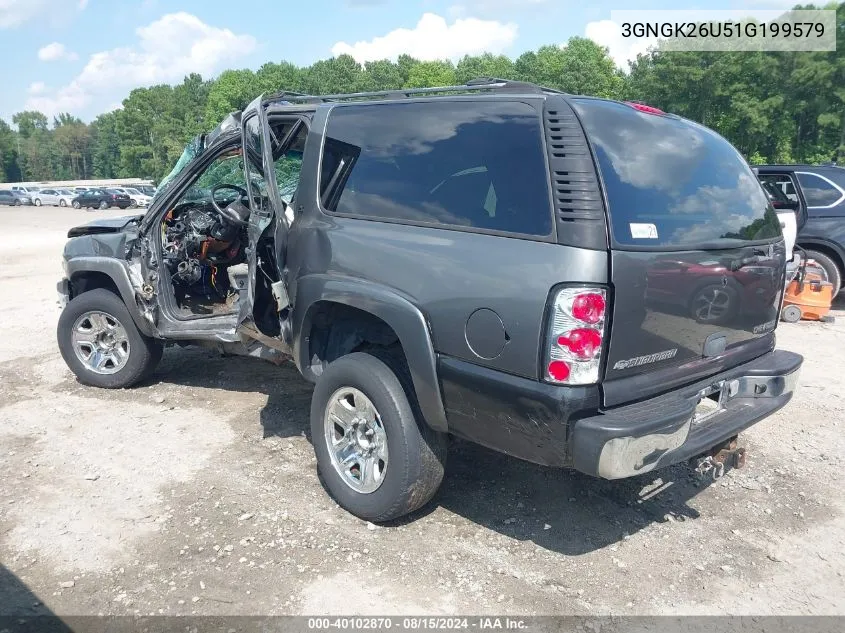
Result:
{"points": [[84, 56]]}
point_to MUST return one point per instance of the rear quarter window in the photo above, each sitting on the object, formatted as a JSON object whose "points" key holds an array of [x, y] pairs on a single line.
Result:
{"points": [[673, 183], [466, 164]]}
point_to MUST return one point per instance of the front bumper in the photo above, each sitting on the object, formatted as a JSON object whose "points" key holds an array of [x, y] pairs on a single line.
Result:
{"points": [[638, 438]]}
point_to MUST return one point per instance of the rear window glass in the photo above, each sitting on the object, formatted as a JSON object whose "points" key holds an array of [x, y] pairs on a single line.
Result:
{"points": [[674, 183], [459, 163]]}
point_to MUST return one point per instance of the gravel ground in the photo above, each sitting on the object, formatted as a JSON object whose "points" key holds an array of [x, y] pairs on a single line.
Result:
{"points": [[197, 493]]}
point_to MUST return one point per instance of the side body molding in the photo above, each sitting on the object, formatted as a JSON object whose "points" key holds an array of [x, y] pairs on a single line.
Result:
{"points": [[398, 312]]}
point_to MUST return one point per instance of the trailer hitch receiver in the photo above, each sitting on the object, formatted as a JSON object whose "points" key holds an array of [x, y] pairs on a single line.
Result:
{"points": [[726, 455]]}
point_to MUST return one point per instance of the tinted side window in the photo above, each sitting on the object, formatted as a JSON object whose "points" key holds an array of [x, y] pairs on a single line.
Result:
{"points": [[817, 191], [459, 163]]}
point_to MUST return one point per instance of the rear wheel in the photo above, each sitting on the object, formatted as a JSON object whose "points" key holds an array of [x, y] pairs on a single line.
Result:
{"points": [[104, 205], [101, 344], [377, 457], [38, 202], [17, 203], [834, 275], [76, 204]]}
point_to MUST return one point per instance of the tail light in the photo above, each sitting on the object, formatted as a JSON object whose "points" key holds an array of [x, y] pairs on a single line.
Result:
{"points": [[577, 327]]}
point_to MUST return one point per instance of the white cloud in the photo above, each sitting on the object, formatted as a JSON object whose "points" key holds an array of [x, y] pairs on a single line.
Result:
{"points": [[165, 51], [13, 13], [37, 87], [433, 38], [56, 51], [608, 33]]}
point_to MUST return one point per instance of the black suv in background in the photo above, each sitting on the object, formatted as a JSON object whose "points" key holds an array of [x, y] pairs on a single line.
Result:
{"points": [[101, 199], [573, 281], [818, 193]]}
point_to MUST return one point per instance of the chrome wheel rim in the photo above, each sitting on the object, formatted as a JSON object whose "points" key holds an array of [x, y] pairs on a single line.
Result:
{"points": [[356, 440], [100, 342], [712, 304]]}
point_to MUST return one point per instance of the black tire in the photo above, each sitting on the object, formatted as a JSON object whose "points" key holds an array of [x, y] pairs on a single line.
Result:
{"points": [[62, 203], [417, 453], [38, 202], [17, 203], [104, 204], [834, 275], [76, 204], [144, 352]]}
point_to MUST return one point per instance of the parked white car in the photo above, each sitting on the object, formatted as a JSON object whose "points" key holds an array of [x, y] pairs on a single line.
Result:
{"points": [[26, 191], [54, 197], [138, 198]]}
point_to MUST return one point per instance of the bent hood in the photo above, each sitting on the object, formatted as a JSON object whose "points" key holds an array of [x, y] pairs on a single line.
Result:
{"points": [[106, 225]]}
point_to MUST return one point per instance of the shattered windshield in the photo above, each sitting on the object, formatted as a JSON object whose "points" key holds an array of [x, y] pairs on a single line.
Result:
{"points": [[192, 150]]}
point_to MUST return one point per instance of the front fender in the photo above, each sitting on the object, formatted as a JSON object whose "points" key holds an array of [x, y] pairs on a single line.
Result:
{"points": [[398, 312], [118, 272]]}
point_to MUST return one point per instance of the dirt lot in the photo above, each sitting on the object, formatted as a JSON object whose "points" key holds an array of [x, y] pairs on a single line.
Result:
{"points": [[198, 493]]}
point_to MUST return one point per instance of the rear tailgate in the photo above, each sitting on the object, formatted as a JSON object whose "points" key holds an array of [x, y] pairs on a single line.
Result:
{"points": [[697, 256]]}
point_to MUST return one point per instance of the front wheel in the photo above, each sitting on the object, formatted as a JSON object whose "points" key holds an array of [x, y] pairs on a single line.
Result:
{"points": [[378, 458], [101, 344], [62, 203], [104, 205], [17, 203], [76, 204], [37, 202]]}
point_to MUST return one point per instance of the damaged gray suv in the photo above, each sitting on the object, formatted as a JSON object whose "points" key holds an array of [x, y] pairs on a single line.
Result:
{"points": [[577, 282]]}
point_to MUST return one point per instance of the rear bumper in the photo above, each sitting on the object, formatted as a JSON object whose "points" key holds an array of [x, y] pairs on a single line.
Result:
{"points": [[635, 439], [566, 427]]}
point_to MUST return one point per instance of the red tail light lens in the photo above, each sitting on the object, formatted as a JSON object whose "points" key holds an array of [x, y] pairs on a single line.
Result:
{"points": [[559, 370], [645, 108], [589, 307], [584, 343], [576, 336]]}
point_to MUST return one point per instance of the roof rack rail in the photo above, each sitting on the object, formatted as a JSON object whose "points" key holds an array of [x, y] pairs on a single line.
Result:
{"points": [[475, 85]]}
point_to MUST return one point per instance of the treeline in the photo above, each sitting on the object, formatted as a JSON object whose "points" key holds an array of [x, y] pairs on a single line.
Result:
{"points": [[774, 106]]}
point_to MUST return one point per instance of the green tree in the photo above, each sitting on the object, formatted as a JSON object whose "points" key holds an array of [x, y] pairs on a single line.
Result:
{"points": [[30, 122], [430, 74], [9, 167], [383, 75], [274, 78], [338, 74], [586, 68], [486, 65], [105, 146], [233, 90]]}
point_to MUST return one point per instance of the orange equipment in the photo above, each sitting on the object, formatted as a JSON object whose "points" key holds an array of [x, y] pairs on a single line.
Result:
{"points": [[808, 296]]}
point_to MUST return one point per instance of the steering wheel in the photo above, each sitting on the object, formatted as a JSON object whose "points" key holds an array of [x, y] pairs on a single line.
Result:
{"points": [[236, 212]]}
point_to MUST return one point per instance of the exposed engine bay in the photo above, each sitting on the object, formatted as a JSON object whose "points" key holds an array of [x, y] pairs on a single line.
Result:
{"points": [[199, 247]]}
